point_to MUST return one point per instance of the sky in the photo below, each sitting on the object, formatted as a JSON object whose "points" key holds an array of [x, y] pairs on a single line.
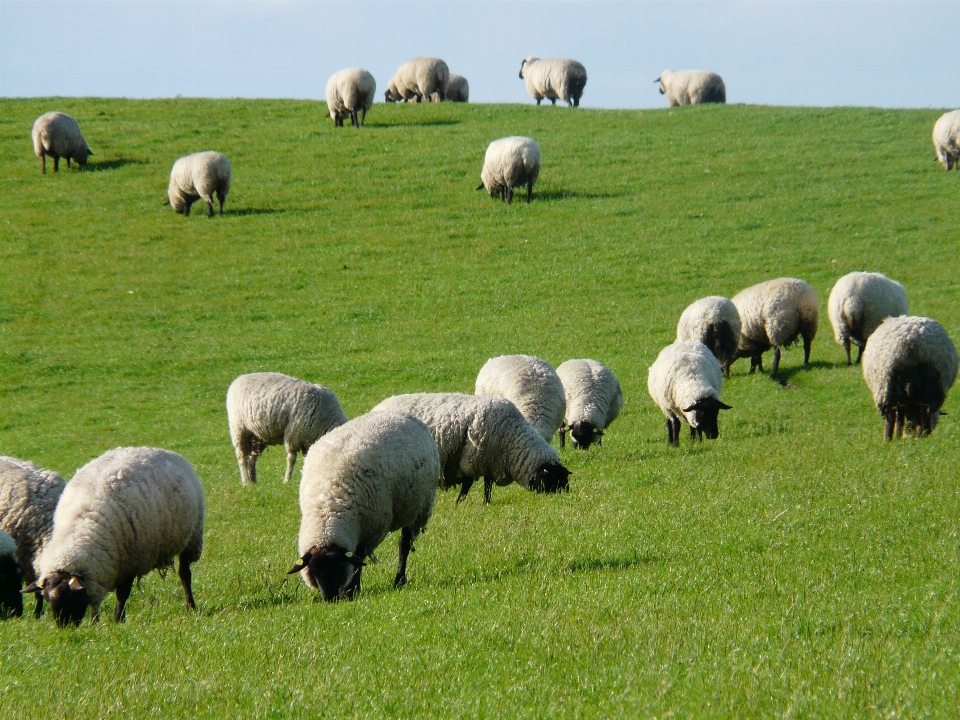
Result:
{"points": [[896, 53]]}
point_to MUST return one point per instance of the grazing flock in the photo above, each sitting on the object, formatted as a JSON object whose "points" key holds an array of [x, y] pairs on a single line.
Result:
{"points": [[133, 510]]}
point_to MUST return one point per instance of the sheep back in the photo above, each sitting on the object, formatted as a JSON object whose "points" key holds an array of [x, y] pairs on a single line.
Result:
{"points": [[458, 89], [715, 322], [199, 176], [859, 302], [946, 139], [529, 383], [774, 314], [692, 87], [554, 79], [593, 397], [509, 163], [57, 134], [682, 374], [419, 79], [350, 91], [28, 500]]}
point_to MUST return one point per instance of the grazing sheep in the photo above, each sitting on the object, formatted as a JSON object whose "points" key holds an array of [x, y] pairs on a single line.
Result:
{"points": [[11, 578], [28, 499], [510, 162], [272, 409], [556, 78], [198, 176], [858, 303], [480, 436], [946, 139], [685, 383], [692, 87], [458, 89], [418, 80], [57, 134], [594, 400], [350, 91], [376, 474], [774, 314], [715, 322], [127, 512], [529, 383], [909, 365]]}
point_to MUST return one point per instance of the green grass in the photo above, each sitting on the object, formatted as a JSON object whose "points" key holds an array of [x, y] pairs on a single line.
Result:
{"points": [[797, 566]]}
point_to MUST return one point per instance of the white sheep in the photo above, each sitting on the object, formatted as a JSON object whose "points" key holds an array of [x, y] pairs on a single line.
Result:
{"points": [[685, 383], [555, 78], [481, 436], [509, 163], [909, 365], [594, 400], [774, 314], [418, 80], [129, 511], [715, 322], [199, 176], [272, 409], [11, 577], [57, 134], [692, 87], [858, 303], [529, 383], [350, 91], [376, 474], [946, 139], [458, 89], [28, 500]]}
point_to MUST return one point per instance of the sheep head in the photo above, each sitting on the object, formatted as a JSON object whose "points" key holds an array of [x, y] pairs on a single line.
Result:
{"points": [[551, 477], [67, 595], [584, 434], [331, 568], [704, 416]]}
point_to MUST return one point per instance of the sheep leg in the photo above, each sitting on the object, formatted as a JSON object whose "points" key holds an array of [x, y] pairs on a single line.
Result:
{"points": [[859, 354], [186, 579], [354, 121], [776, 362], [538, 101], [756, 362], [806, 349], [43, 161], [38, 610], [576, 102], [529, 191], [56, 163], [68, 162], [487, 489], [509, 195], [363, 116], [464, 489], [900, 422], [210, 207], [672, 438], [221, 197], [123, 592], [291, 461], [553, 101], [846, 348], [562, 432], [726, 369], [406, 545], [693, 433]]}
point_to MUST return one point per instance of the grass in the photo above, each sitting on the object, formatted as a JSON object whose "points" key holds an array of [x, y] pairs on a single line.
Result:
{"points": [[797, 566]]}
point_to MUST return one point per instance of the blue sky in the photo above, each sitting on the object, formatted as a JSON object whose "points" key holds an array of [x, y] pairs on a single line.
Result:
{"points": [[783, 52]]}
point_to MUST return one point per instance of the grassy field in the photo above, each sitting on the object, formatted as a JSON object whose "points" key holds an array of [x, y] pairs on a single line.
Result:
{"points": [[797, 566]]}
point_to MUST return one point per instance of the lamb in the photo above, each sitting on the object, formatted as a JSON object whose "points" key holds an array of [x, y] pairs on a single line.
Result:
{"points": [[594, 400], [376, 474], [350, 91], [271, 409], [715, 322], [529, 383], [692, 87], [481, 436], [123, 514], [510, 162], [909, 365], [419, 79], [57, 134], [946, 139], [685, 383], [556, 78], [774, 314], [11, 601], [28, 500], [458, 89], [198, 176], [858, 303]]}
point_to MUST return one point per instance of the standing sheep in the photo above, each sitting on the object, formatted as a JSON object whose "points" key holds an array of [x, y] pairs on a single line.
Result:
{"points": [[556, 78], [272, 409], [57, 134], [594, 400], [774, 314], [458, 89], [350, 91], [376, 474], [11, 577], [127, 512], [685, 383], [692, 87], [909, 365], [198, 176], [510, 162], [715, 322], [418, 80], [529, 383], [858, 303], [946, 139]]}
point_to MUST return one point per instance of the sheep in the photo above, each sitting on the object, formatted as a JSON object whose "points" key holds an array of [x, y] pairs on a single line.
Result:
{"points": [[510, 162], [946, 139], [594, 400], [529, 383], [123, 514], [57, 134], [350, 91], [774, 314], [198, 176], [909, 365], [481, 436], [556, 78], [858, 303], [692, 87], [11, 577], [458, 89], [28, 500], [715, 322], [419, 79], [376, 474], [271, 409], [685, 383]]}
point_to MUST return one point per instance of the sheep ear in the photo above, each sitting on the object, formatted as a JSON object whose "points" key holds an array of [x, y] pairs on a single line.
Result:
{"points": [[724, 406], [691, 408], [75, 584], [480, 186], [301, 563], [657, 80], [167, 201], [354, 559], [30, 589]]}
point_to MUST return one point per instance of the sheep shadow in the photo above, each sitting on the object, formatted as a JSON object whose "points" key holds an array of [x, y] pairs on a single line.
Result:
{"points": [[244, 212], [558, 195], [414, 122], [784, 375], [115, 164]]}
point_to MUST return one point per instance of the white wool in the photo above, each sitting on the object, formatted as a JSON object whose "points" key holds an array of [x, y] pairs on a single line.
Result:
{"points": [[529, 383], [554, 79], [715, 322], [458, 89], [418, 79], [859, 302], [692, 87], [774, 314], [57, 134], [28, 500], [946, 139], [349, 92], [593, 396], [509, 163], [682, 374], [196, 177]]}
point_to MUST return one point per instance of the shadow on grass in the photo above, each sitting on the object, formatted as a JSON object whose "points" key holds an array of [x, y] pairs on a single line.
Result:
{"points": [[614, 563], [115, 164], [414, 122], [555, 195], [783, 377], [244, 212]]}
